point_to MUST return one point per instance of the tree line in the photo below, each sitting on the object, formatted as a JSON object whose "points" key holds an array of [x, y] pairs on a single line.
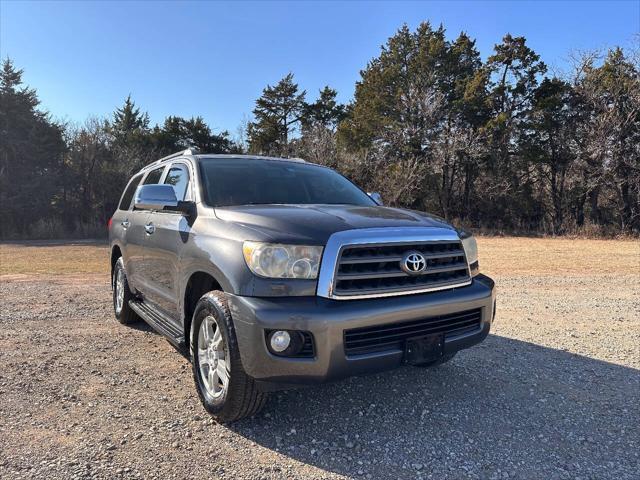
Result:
{"points": [[501, 144]]}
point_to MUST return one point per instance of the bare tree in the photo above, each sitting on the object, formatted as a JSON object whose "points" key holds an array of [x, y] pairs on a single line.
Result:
{"points": [[608, 136]]}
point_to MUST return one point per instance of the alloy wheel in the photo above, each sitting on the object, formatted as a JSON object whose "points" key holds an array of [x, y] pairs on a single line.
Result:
{"points": [[119, 287], [212, 359]]}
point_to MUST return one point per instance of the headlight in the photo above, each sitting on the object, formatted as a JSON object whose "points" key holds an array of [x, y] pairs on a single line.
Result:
{"points": [[470, 249], [272, 260]]}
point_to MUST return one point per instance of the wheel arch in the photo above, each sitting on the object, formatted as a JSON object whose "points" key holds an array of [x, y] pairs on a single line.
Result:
{"points": [[197, 284], [116, 253]]}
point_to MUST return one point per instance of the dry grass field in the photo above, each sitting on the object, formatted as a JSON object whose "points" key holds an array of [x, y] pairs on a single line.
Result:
{"points": [[499, 256], [54, 258], [554, 392]]}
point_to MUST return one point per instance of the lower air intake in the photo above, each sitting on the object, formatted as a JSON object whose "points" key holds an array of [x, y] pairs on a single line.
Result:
{"points": [[392, 336]]}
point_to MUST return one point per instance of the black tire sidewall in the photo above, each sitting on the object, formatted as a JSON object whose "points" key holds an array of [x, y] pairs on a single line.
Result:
{"points": [[243, 396], [210, 306], [118, 266], [125, 315]]}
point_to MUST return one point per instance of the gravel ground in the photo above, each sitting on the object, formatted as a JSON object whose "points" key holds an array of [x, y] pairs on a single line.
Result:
{"points": [[554, 392]]}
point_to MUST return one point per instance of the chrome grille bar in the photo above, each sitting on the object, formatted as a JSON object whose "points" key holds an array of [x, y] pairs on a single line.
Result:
{"points": [[365, 263]]}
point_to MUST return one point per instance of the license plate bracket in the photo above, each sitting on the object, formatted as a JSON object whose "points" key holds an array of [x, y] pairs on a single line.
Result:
{"points": [[424, 349]]}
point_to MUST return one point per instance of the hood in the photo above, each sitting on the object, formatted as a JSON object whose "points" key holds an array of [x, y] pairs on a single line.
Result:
{"points": [[314, 224]]}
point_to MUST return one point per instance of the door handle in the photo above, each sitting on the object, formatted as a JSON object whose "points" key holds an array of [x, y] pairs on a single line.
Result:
{"points": [[149, 228], [125, 223]]}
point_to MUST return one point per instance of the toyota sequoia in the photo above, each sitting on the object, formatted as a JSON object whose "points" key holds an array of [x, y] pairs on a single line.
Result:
{"points": [[274, 272]]}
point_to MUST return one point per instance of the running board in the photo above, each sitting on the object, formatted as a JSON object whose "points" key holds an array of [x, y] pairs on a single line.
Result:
{"points": [[158, 322]]}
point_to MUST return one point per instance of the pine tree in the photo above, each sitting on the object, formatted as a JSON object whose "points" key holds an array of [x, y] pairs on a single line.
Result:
{"points": [[128, 122], [420, 105], [548, 144], [131, 137], [396, 91], [610, 135], [325, 112], [278, 113], [31, 147], [515, 71], [178, 133]]}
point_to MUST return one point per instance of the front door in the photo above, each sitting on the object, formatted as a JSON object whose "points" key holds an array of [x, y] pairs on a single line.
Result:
{"points": [[167, 234]]}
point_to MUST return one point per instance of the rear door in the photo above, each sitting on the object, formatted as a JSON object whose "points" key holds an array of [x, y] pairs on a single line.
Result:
{"points": [[128, 232], [167, 234]]}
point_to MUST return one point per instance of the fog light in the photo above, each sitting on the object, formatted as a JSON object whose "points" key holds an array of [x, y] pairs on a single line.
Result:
{"points": [[280, 341]]}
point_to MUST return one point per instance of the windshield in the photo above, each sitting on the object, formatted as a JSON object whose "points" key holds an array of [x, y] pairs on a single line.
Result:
{"points": [[239, 181]]}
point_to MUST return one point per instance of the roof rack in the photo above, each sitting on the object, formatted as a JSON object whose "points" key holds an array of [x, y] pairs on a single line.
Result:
{"points": [[188, 151], [252, 156]]}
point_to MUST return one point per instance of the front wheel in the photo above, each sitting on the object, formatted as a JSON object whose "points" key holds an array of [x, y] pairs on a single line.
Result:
{"points": [[224, 388]]}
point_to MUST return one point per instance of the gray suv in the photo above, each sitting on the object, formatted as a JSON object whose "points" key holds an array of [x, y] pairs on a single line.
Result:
{"points": [[276, 272]]}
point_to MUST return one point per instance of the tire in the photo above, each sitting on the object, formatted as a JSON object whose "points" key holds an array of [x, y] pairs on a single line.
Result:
{"points": [[124, 314], [442, 360], [240, 396]]}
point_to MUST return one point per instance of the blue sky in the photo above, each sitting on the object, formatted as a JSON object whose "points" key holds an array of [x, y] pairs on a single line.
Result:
{"points": [[214, 59]]}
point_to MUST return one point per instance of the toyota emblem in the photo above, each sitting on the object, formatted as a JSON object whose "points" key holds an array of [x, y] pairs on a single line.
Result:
{"points": [[413, 263]]}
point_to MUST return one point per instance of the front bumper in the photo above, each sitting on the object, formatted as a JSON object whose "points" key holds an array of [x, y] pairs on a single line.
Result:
{"points": [[327, 319]]}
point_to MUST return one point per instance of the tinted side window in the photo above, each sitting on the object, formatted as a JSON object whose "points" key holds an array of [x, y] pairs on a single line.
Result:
{"points": [[178, 176], [154, 176], [127, 197]]}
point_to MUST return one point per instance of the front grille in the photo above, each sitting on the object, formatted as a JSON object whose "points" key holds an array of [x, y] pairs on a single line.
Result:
{"points": [[392, 336], [376, 269]]}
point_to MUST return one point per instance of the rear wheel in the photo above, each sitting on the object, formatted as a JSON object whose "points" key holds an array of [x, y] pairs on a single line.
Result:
{"points": [[435, 363], [224, 388], [121, 295]]}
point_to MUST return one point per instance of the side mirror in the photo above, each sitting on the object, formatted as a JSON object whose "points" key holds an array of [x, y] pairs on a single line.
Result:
{"points": [[155, 197], [375, 196]]}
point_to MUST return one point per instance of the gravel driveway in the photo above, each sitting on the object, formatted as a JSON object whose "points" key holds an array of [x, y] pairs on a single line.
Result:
{"points": [[554, 392]]}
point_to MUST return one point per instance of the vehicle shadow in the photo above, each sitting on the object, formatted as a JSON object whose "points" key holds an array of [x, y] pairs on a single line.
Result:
{"points": [[503, 409], [143, 326]]}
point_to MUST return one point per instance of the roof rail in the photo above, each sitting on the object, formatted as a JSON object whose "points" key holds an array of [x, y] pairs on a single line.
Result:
{"points": [[188, 151], [191, 151]]}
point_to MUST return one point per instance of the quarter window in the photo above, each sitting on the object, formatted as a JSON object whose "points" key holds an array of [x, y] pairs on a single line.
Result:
{"points": [[178, 177]]}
